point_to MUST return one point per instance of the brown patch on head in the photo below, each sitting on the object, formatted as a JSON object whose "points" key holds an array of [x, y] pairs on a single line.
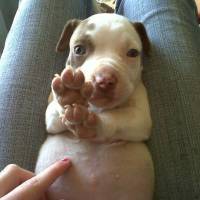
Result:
{"points": [[86, 25], [146, 46], [67, 32], [85, 41], [81, 38]]}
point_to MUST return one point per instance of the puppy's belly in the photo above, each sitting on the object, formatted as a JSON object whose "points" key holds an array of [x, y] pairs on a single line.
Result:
{"points": [[99, 171]]}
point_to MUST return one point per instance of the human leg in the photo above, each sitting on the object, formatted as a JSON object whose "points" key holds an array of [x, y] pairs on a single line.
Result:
{"points": [[27, 66], [171, 74]]}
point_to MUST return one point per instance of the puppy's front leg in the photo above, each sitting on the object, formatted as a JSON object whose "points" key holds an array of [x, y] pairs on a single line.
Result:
{"points": [[130, 122], [67, 89], [53, 118]]}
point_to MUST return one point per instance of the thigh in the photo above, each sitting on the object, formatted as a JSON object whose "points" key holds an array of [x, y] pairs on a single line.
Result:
{"points": [[171, 74], [27, 66]]}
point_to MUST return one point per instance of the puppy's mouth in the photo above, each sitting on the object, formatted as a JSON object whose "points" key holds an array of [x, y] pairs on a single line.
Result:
{"points": [[103, 99], [102, 102]]}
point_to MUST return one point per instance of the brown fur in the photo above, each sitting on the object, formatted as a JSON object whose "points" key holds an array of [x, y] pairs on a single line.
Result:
{"points": [[67, 32], [144, 37]]}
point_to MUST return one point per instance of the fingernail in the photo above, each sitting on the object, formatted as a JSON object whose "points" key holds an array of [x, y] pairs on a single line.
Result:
{"points": [[65, 159], [65, 162]]}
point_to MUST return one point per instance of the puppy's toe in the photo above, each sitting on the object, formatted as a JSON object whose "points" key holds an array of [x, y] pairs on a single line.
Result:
{"points": [[91, 121], [87, 90], [79, 113], [75, 114], [79, 79], [67, 76], [68, 113], [72, 79], [57, 85]]}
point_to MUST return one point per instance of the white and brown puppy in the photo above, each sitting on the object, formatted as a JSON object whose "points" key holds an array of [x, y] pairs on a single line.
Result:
{"points": [[96, 104]]}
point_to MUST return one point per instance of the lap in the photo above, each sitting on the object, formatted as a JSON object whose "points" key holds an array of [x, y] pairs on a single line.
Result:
{"points": [[27, 66], [171, 75]]}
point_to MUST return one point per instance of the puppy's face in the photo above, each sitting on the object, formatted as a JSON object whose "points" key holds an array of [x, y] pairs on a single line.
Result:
{"points": [[107, 48]]}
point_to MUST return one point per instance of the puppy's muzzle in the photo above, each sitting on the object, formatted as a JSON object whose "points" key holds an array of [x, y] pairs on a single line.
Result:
{"points": [[105, 79]]}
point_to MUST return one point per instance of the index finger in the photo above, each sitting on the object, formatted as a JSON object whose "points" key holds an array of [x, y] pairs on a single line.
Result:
{"points": [[35, 187]]}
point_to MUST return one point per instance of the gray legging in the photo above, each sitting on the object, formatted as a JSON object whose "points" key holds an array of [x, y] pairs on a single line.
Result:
{"points": [[171, 74]]}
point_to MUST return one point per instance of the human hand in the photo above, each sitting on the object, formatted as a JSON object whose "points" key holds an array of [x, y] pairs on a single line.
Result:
{"points": [[20, 184]]}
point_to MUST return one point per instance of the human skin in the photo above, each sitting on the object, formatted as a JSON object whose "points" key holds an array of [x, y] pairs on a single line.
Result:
{"points": [[17, 183]]}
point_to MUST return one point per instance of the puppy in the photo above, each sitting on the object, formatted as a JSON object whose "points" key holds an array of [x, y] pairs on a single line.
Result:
{"points": [[98, 114]]}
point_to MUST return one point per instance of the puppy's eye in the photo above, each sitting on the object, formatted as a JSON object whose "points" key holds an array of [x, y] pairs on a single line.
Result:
{"points": [[79, 50], [132, 53]]}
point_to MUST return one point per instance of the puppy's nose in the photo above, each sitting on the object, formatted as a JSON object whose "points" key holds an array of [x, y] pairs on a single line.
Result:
{"points": [[105, 81]]}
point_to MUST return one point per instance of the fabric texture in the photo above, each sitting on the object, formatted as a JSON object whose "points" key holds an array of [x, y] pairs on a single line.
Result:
{"points": [[171, 75], [172, 78], [27, 66]]}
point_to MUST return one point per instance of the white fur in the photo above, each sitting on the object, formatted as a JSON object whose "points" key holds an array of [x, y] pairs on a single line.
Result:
{"points": [[135, 110], [129, 120]]}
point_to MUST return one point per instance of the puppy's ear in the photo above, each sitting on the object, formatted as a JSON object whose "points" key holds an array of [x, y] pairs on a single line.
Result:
{"points": [[66, 34], [146, 45]]}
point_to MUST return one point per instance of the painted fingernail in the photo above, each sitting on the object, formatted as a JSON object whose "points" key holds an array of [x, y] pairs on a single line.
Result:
{"points": [[65, 159]]}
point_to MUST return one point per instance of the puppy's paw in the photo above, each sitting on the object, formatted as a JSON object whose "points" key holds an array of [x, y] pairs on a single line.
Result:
{"points": [[80, 121], [70, 87], [75, 114]]}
